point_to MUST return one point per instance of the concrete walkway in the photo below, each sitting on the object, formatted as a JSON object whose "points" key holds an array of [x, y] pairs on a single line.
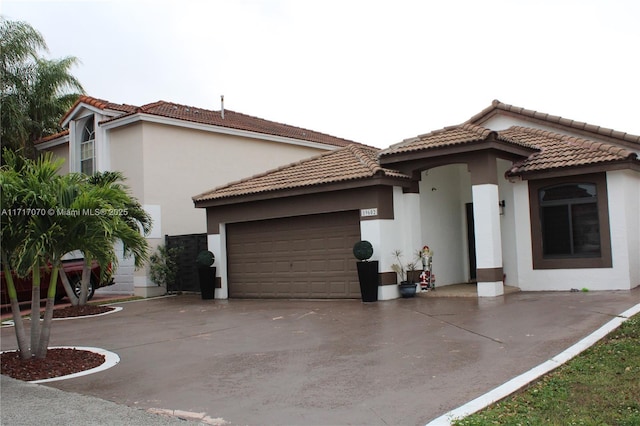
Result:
{"points": [[272, 362]]}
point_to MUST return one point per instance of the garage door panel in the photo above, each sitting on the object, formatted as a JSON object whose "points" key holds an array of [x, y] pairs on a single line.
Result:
{"points": [[300, 257]]}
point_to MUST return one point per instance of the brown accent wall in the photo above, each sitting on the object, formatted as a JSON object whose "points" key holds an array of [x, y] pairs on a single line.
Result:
{"points": [[489, 275], [388, 278], [380, 197], [483, 168]]}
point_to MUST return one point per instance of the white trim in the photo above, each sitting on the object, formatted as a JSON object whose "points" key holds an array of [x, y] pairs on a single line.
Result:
{"points": [[112, 311], [53, 142], [212, 128], [110, 359], [94, 111]]}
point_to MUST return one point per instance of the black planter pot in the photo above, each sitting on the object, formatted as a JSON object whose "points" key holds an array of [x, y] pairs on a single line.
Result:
{"points": [[207, 278], [368, 277], [407, 289]]}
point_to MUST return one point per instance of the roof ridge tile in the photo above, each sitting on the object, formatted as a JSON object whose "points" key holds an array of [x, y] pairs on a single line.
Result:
{"points": [[366, 160]]}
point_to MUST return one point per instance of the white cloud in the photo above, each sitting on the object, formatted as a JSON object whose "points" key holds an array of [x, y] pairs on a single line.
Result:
{"points": [[372, 71]]}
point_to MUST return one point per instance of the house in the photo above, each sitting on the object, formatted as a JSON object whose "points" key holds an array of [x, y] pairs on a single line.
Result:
{"points": [[169, 152], [511, 196]]}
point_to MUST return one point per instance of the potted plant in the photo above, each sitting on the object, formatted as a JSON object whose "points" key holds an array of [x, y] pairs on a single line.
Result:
{"points": [[406, 287], [206, 274], [367, 271], [163, 267]]}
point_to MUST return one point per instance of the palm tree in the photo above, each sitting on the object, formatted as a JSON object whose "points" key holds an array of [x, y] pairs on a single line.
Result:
{"points": [[107, 214], [35, 92], [121, 218], [41, 236], [27, 194]]}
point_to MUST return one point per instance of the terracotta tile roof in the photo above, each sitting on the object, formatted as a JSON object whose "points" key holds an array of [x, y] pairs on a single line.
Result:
{"points": [[496, 107], [350, 163], [236, 120], [449, 136], [558, 151], [100, 104], [52, 137], [551, 150], [232, 119]]}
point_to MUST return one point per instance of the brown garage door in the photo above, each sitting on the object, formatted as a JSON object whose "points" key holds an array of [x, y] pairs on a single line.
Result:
{"points": [[300, 257]]}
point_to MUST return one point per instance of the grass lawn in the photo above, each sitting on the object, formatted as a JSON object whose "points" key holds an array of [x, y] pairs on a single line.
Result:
{"points": [[601, 386]]}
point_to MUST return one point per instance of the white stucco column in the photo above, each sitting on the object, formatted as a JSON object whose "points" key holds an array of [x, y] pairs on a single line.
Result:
{"points": [[216, 244], [488, 239]]}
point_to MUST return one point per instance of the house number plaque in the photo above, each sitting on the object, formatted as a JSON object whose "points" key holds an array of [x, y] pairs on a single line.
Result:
{"points": [[369, 212]]}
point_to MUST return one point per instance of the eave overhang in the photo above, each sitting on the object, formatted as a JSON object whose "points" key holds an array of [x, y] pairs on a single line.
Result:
{"points": [[378, 180]]}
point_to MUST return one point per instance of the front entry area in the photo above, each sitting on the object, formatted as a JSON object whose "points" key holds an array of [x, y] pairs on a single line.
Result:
{"points": [[303, 257]]}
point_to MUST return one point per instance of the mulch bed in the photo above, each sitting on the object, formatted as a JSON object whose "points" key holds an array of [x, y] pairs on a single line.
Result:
{"points": [[59, 361], [79, 311]]}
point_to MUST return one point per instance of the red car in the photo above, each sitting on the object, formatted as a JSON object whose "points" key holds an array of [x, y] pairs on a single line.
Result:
{"points": [[73, 268]]}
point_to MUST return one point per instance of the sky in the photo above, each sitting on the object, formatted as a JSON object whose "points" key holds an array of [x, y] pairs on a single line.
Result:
{"points": [[371, 71]]}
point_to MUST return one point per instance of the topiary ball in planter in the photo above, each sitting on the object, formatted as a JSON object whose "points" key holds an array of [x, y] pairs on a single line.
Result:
{"points": [[363, 250], [205, 258]]}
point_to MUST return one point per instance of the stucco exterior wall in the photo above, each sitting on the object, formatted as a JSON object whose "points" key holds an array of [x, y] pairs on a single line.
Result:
{"points": [[623, 190], [165, 166], [126, 156], [623, 187], [508, 226], [180, 163], [400, 233], [61, 151], [444, 191]]}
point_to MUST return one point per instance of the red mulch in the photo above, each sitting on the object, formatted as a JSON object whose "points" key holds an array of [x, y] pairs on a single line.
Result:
{"points": [[79, 311], [58, 362]]}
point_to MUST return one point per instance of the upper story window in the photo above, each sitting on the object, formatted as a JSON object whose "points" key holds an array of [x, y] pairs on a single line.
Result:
{"points": [[87, 147], [570, 222]]}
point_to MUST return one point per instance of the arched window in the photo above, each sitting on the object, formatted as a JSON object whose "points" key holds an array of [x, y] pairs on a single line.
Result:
{"points": [[569, 219], [87, 143]]}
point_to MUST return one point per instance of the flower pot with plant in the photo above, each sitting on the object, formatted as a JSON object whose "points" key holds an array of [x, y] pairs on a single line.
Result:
{"points": [[206, 274], [367, 271], [406, 287]]}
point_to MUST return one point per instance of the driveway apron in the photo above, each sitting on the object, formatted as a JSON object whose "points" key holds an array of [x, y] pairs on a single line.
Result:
{"points": [[326, 362]]}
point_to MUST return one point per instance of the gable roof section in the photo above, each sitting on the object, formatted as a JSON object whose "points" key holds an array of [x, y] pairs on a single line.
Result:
{"points": [[351, 163], [543, 150], [589, 131], [448, 137], [99, 104], [558, 151]]}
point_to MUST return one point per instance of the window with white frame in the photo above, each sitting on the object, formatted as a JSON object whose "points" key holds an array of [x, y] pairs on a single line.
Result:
{"points": [[87, 147]]}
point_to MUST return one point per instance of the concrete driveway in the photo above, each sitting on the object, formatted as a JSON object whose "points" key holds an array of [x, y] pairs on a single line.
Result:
{"points": [[281, 362]]}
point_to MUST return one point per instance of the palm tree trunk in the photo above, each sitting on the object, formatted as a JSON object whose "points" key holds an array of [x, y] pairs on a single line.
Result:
{"points": [[21, 334], [84, 287], [67, 287], [35, 307], [45, 333]]}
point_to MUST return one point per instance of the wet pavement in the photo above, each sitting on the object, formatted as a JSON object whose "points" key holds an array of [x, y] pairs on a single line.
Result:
{"points": [[281, 362]]}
